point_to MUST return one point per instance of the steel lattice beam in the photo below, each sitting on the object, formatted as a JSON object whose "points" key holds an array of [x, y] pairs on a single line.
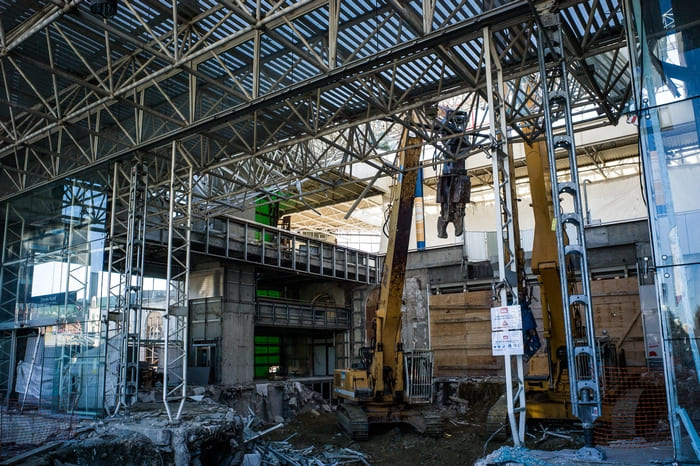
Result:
{"points": [[244, 89]]}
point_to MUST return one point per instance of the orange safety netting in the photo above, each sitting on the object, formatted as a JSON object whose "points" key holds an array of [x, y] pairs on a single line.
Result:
{"points": [[634, 407]]}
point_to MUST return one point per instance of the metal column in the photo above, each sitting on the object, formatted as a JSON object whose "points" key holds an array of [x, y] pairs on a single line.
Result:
{"points": [[582, 357], [503, 199], [178, 274], [10, 270], [126, 260]]}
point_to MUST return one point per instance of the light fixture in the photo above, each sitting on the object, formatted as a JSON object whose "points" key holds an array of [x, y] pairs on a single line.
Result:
{"points": [[104, 8]]}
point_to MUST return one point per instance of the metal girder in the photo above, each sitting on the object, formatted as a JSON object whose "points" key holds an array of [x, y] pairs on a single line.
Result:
{"points": [[233, 81]]}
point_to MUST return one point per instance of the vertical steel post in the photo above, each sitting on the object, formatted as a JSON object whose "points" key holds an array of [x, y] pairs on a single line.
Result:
{"points": [[177, 275], [505, 226]]}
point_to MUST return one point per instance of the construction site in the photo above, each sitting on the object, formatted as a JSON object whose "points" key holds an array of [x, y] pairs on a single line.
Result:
{"points": [[324, 232]]}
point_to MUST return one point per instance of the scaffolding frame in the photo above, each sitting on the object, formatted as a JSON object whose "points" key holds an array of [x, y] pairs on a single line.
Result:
{"points": [[10, 270], [125, 297], [177, 291], [582, 355]]}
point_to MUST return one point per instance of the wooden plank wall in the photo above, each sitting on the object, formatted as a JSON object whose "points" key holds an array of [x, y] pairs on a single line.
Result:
{"points": [[460, 329], [461, 326], [616, 309]]}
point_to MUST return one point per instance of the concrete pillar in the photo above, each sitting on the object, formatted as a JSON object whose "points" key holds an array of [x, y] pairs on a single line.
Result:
{"points": [[238, 325], [358, 331], [414, 315]]}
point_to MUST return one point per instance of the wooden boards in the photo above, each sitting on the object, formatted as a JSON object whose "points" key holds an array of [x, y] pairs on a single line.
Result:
{"points": [[461, 327]]}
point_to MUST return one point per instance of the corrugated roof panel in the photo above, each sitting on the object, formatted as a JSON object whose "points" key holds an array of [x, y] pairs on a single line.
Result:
{"points": [[449, 12], [470, 53], [366, 28]]}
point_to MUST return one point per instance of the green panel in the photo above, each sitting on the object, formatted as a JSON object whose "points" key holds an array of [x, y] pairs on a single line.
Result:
{"points": [[267, 353], [267, 359]]}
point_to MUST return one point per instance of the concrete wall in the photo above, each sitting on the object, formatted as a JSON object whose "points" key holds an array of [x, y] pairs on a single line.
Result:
{"points": [[334, 289], [238, 325], [206, 281]]}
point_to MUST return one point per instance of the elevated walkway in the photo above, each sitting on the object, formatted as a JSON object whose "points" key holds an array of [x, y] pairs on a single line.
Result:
{"points": [[251, 242]]}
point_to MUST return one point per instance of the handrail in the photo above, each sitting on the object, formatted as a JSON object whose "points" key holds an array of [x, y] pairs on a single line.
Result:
{"points": [[285, 313], [252, 242]]}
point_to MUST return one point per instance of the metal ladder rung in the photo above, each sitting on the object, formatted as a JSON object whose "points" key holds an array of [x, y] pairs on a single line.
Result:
{"points": [[579, 299], [568, 187], [573, 218], [573, 249], [562, 142]]}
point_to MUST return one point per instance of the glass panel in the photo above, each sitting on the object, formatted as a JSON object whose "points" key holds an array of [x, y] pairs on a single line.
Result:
{"points": [[666, 34], [53, 252], [679, 289], [670, 42], [53, 284], [671, 156]]}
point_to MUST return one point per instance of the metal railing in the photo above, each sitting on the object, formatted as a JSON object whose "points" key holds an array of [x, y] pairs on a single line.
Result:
{"points": [[418, 365], [240, 239], [285, 313]]}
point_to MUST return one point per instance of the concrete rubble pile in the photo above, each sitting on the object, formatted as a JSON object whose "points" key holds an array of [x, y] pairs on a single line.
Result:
{"points": [[283, 453], [275, 401], [211, 431]]}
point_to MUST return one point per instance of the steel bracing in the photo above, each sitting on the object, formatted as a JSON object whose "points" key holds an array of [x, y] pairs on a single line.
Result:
{"points": [[264, 96], [225, 105]]}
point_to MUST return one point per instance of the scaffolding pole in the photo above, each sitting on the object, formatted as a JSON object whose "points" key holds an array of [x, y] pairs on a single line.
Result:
{"points": [[505, 228]]}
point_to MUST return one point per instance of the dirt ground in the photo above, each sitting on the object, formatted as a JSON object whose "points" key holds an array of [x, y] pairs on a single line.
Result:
{"points": [[464, 440], [390, 445]]}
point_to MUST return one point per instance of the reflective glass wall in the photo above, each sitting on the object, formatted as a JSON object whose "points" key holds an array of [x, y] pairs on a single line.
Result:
{"points": [[665, 50], [53, 285]]}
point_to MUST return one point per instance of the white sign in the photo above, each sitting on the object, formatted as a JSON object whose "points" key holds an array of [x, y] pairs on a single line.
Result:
{"points": [[506, 318], [507, 342]]}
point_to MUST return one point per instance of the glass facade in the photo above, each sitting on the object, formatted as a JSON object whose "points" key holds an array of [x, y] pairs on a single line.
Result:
{"points": [[52, 289], [71, 295], [665, 36]]}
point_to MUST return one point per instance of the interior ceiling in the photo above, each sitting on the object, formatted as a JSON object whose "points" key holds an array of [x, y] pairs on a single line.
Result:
{"points": [[274, 100]]}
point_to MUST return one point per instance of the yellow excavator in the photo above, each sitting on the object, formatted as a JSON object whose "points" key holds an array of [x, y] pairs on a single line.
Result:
{"points": [[390, 385]]}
